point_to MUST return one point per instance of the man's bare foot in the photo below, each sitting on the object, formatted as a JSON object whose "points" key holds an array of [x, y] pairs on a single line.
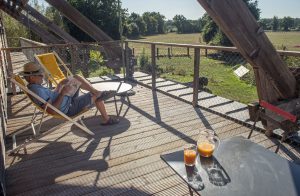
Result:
{"points": [[111, 121]]}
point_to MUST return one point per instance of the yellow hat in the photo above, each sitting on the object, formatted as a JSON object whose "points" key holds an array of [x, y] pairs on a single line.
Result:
{"points": [[31, 69]]}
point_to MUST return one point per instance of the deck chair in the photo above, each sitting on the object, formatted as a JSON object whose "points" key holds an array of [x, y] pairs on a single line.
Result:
{"points": [[60, 115], [51, 62]]}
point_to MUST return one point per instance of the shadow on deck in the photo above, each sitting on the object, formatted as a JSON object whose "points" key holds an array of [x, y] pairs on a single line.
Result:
{"points": [[123, 159]]}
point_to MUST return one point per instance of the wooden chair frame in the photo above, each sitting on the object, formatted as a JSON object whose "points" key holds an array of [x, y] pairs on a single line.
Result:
{"points": [[59, 115]]}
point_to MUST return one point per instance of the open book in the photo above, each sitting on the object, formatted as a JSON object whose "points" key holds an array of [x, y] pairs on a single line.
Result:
{"points": [[74, 86]]}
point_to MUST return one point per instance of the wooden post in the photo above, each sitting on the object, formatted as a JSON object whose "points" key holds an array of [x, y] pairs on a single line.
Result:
{"points": [[133, 53], [188, 51], [169, 53], [11, 86], [153, 66], [196, 76], [73, 58], [205, 52], [157, 53], [127, 58], [234, 17]]}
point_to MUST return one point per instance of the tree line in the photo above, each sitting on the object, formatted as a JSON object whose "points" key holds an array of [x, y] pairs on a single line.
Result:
{"points": [[280, 24]]}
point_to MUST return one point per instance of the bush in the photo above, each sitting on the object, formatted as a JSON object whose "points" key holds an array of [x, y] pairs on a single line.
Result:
{"points": [[144, 62], [170, 69], [96, 65], [181, 72]]}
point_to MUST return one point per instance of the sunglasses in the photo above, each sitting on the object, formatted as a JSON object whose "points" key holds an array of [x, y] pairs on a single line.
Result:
{"points": [[39, 75]]}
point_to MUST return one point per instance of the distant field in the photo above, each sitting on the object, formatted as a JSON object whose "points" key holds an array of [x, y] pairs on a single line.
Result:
{"points": [[291, 40]]}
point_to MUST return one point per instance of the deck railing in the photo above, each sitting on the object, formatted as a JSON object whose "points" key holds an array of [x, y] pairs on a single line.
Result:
{"points": [[196, 61]]}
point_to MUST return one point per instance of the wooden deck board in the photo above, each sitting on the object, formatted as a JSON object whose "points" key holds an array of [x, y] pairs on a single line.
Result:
{"points": [[119, 160]]}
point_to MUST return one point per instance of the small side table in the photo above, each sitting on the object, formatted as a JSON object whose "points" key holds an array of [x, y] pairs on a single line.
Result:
{"points": [[124, 90]]}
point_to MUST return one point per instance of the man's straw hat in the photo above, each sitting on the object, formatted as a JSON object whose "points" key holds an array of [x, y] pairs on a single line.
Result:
{"points": [[31, 69]]}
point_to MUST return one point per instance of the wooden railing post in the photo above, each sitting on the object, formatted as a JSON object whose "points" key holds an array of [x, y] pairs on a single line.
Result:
{"points": [[127, 59], [73, 58], [169, 53], [196, 76], [188, 51], [157, 53], [11, 86], [153, 66]]}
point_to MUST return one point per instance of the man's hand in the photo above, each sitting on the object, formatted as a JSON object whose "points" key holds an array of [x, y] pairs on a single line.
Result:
{"points": [[65, 90], [60, 85], [63, 82]]}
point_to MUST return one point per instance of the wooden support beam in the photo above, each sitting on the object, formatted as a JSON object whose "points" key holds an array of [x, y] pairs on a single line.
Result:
{"points": [[114, 52], [237, 22], [80, 20], [50, 25], [43, 34]]}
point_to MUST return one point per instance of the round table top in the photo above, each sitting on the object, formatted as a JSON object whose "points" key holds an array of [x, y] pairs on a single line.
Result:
{"points": [[106, 86]]}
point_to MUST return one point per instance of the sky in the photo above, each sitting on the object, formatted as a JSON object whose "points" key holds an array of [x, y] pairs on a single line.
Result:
{"points": [[191, 9]]}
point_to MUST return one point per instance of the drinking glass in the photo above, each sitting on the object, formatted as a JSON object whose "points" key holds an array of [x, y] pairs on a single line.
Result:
{"points": [[190, 153], [207, 143]]}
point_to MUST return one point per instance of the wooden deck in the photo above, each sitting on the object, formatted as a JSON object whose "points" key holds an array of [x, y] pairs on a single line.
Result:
{"points": [[119, 160]]}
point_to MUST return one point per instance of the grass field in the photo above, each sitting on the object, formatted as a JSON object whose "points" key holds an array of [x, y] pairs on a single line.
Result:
{"points": [[291, 40], [222, 80]]}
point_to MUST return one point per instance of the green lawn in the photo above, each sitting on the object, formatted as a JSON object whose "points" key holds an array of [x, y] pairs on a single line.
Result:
{"points": [[221, 79]]}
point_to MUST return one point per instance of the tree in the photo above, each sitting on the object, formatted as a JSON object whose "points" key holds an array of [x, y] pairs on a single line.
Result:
{"points": [[265, 23], [287, 23], [155, 22], [103, 13], [52, 14], [14, 30], [139, 22], [275, 24], [212, 33], [179, 21]]}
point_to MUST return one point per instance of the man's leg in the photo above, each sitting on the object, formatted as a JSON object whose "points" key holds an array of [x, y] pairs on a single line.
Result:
{"points": [[101, 107]]}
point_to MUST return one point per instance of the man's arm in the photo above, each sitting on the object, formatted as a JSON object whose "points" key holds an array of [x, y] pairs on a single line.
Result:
{"points": [[57, 102]]}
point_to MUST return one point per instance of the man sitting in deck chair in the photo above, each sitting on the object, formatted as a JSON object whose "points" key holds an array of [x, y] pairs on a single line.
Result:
{"points": [[62, 97]]}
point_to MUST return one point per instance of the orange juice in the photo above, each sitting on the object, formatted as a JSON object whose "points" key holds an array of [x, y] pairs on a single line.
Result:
{"points": [[190, 157], [206, 149]]}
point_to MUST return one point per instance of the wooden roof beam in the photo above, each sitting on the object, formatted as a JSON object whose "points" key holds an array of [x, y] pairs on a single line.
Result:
{"points": [[80, 20], [43, 34], [50, 25]]}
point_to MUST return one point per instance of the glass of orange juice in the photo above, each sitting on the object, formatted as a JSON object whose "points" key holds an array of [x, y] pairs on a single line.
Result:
{"points": [[190, 153], [207, 143]]}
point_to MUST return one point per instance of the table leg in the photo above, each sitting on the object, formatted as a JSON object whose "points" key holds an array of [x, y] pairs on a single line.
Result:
{"points": [[191, 191]]}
